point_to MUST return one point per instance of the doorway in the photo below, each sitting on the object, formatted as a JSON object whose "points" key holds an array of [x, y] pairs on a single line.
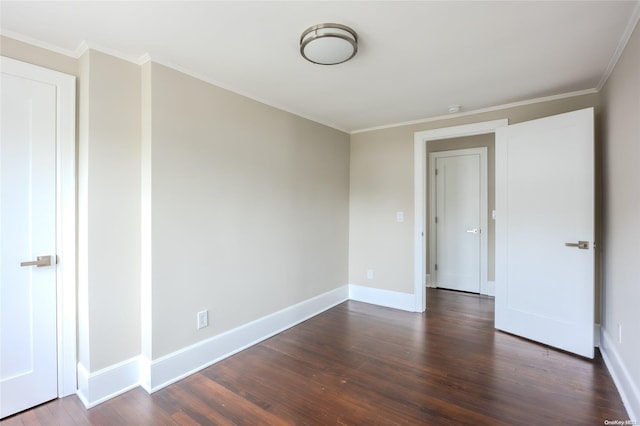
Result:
{"points": [[422, 140]]}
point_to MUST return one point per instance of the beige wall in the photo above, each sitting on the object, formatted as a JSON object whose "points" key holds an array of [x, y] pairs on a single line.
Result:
{"points": [[382, 184], [109, 206], [477, 141], [621, 136], [38, 56], [209, 199], [249, 209]]}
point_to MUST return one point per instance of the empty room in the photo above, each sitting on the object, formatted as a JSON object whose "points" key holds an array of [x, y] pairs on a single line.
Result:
{"points": [[319, 212]]}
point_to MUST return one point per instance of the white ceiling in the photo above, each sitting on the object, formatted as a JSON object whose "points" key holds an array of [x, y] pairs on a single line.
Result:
{"points": [[414, 60]]}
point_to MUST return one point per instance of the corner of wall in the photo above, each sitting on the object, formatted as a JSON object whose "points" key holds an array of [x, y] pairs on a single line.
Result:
{"points": [[100, 386], [380, 297], [628, 390]]}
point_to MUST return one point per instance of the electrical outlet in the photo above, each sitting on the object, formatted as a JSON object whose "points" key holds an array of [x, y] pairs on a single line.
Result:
{"points": [[399, 216], [203, 319], [619, 333], [369, 274]]}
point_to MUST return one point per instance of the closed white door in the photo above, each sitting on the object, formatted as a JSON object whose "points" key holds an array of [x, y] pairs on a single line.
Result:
{"points": [[545, 231], [460, 210], [28, 362]]}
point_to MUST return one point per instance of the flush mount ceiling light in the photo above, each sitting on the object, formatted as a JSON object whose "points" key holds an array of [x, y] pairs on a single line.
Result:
{"points": [[328, 44]]}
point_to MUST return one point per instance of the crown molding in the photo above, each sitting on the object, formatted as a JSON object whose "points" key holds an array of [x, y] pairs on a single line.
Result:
{"points": [[626, 36], [479, 111], [37, 43], [146, 57], [89, 45]]}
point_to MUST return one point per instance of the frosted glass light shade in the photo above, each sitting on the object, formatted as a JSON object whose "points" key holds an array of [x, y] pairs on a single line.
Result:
{"points": [[328, 44]]}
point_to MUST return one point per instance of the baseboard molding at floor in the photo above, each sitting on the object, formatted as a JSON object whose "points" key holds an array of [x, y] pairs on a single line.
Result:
{"points": [[102, 385], [376, 296], [429, 281], [491, 288], [180, 364], [624, 382]]}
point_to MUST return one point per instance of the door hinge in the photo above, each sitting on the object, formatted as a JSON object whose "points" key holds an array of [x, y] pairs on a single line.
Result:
{"points": [[436, 172], [436, 219], [435, 266]]}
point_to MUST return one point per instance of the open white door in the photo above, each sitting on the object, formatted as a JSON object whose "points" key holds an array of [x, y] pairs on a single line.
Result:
{"points": [[545, 231]]}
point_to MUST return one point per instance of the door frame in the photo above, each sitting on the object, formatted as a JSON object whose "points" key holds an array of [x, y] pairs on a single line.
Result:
{"points": [[484, 222], [66, 310], [421, 139]]}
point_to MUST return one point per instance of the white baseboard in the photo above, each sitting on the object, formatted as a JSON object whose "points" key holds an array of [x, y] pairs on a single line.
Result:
{"points": [[180, 364], [376, 296], [97, 387], [488, 289], [429, 281], [624, 382]]}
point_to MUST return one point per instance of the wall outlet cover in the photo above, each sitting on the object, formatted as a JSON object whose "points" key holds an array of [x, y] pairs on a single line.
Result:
{"points": [[203, 319]]}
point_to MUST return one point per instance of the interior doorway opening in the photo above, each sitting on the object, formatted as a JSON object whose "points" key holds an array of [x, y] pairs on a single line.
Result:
{"points": [[460, 201], [421, 142]]}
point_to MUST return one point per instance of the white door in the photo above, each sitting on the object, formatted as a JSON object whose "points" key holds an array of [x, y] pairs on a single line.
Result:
{"points": [[460, 216], [545, 231], [28, 363]]}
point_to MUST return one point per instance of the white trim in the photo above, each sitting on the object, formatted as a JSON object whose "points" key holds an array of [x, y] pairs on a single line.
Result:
{"points": [[429, 281], [102, 385], [597, 332], [134, 59], [419, 222], [180, 364], [37, 43], [626, 36], [629, 392], [388, 298], [480, 111], [490, 289], [421, 139], [146, 221], [65, 213], [484, 201]]}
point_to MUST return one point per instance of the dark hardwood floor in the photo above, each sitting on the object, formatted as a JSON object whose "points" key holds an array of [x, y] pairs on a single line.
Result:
{"points": [[359, 364]]}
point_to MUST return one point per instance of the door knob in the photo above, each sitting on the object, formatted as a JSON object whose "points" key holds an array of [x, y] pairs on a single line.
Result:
{"points": [[473, 231], [40, 261], [582, 245]]}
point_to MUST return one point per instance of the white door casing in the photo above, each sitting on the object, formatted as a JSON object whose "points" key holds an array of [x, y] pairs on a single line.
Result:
{"points": [[38, 218], [458, 240], [544, 199], [421, 139]]}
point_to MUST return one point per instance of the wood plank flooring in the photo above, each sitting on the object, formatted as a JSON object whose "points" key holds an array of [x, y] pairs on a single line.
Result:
{"points": [[359, 364]]}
